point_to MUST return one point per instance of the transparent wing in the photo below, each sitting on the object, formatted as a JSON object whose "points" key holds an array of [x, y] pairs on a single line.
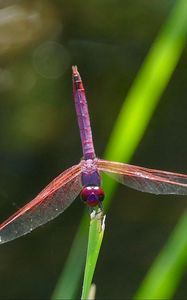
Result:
{"points": [[52, 201], [145, 180]]}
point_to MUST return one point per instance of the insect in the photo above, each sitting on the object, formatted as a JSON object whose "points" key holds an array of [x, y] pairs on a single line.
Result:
{"points": [[84, 179]]}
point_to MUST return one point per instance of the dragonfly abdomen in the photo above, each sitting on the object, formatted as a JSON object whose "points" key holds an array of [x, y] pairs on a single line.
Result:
{"points": [[82, 116]]}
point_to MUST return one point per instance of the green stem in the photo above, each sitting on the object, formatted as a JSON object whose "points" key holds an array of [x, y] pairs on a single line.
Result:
{"points": [[96, 232]]}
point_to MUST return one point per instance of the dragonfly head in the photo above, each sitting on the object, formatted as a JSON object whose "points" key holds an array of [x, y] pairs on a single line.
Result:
{"points": [[92, 195]]}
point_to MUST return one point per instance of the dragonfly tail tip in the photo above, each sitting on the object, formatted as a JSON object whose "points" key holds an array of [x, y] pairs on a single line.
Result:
{"points": [[74, 69]]}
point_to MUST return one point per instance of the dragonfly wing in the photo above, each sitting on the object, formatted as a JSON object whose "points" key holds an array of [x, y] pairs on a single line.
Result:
{"points": [[144, 179], [52, 201]]}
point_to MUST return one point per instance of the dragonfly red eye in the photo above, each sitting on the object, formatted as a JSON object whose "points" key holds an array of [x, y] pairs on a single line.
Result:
{"points": [[92, 195]]}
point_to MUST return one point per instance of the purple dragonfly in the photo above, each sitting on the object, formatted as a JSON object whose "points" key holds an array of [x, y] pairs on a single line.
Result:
{"points": [[84, 179]]}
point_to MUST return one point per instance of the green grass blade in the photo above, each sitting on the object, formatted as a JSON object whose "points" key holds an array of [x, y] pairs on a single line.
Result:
{"points": [[96, 233], [148, 86], [166, 272], [70, 280], [139, 106]]}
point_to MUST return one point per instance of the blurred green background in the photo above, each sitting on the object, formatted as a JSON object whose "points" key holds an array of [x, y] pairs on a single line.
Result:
{"points": [[108, 40]]}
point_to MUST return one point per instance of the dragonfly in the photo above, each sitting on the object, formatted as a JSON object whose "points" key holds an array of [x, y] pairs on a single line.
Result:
{"points": [[84, 179]]}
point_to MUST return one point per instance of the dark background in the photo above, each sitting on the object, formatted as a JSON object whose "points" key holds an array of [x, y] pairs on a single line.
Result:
{"points": [[108, 40]]}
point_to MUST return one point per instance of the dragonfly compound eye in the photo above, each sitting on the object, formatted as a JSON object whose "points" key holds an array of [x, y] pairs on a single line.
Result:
{"points": [[92, 195]]}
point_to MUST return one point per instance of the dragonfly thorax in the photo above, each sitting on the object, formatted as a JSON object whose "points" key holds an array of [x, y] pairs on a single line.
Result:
{"points": [[90, 175], [92, 195]]}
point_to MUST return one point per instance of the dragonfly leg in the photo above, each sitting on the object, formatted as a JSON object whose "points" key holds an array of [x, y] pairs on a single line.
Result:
{"points": [[96, 212], [100, 206], [91, 211]]}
